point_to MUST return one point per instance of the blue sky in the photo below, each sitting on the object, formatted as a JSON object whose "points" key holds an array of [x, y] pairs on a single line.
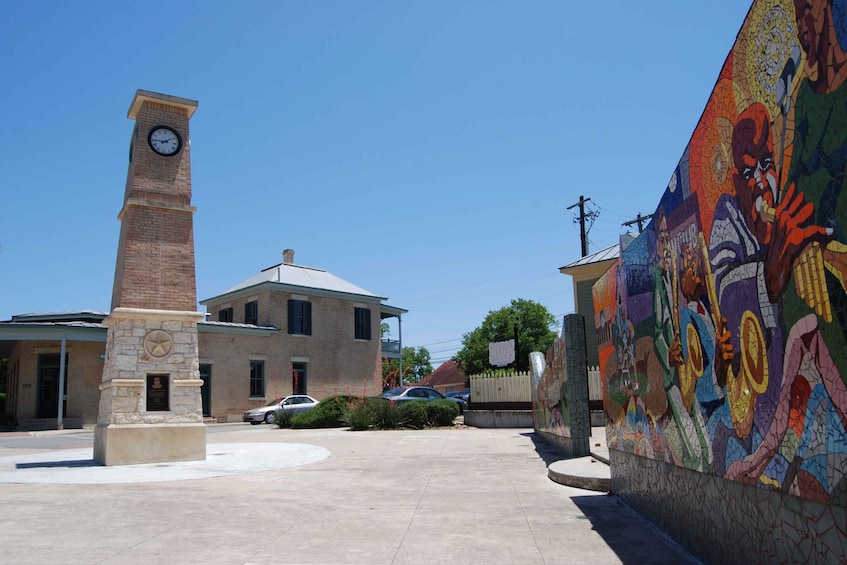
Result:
{"points": [[425, 151]]}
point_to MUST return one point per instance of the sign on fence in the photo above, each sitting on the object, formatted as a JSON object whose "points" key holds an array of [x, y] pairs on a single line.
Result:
{"points": [[501, 353]]}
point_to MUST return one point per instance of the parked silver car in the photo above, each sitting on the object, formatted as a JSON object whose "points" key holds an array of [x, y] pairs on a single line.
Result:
{"points": [[267, 413], [409, 393]]}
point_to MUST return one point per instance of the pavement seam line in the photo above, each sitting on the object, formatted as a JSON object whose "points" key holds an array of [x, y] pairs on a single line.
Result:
{"points": [[417, 506], [523, 511]]}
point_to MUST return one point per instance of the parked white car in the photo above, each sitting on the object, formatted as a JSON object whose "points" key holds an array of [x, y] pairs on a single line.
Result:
{"points": [[267, 413]]}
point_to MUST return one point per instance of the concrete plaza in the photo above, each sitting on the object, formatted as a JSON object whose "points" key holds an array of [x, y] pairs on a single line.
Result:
{"points": [[452, 495]]}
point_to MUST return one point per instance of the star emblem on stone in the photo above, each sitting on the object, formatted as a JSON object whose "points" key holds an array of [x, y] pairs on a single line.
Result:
{"points": [[158, 343]]}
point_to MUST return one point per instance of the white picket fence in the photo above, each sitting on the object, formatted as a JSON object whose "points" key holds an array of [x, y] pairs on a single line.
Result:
{"points": [[517, 387], [508, 388], [595, 384]]}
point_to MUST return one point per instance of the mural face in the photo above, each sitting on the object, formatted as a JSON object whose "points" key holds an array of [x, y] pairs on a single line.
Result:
{"points": [[722, 327]]}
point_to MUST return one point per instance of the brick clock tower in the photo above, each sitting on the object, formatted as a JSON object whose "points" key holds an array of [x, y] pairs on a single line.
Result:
{"points": [[150, 405]]}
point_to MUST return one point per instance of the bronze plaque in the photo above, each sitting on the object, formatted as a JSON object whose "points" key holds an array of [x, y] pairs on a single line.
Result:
{"points": [[158, 393]]}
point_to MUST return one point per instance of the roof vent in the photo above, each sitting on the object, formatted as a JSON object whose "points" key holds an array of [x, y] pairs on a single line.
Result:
{"points": [[288, 257]]}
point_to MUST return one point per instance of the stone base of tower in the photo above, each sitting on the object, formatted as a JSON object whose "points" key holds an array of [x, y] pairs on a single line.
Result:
{"points": [[150, 403], [134, 444]]}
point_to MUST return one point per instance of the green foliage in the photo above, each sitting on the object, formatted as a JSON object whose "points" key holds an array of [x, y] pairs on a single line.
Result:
{"points": [[384, 414], [416, 365], [283, 418], [327, 414], [533, 321], [441, 412], [498, 373], [411, 414], [420, 414], [370, 413], [360, 413]]}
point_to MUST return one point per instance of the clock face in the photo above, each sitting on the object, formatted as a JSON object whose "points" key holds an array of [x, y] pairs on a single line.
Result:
{"points": [[164, 141]]}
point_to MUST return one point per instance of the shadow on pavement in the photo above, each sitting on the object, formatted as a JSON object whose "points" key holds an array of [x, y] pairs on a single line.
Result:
{"points": [[547, 451], [52, 464], [633, 538]]}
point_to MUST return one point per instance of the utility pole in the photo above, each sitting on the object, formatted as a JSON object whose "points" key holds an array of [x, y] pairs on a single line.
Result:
{"points": [[639, 220], [582, 217]]}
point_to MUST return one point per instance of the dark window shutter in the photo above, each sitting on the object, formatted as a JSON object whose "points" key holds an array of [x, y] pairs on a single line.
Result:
{"points": [[367, 323], [307, 318], [291, 317]]}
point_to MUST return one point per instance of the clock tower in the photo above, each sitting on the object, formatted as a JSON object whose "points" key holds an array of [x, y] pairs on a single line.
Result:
{"points": [[150, 405]]}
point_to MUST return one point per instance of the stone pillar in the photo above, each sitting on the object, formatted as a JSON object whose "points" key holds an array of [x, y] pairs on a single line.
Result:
{"points": [[576, 388]]}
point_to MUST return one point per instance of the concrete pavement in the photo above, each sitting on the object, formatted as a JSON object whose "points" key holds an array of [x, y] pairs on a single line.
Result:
{"points": [[451, 495]]}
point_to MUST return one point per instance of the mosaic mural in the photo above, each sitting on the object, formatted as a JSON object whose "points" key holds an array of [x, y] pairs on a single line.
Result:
{"points": [[550, 409], [721, 329]]}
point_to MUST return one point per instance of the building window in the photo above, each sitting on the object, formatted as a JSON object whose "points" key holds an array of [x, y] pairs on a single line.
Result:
{"points": [[363, 323], [257, 378], [299, 317], [225, 315], [251, 313]]}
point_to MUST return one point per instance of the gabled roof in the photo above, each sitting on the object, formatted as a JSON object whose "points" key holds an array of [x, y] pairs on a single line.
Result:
{"points": [[297, 277], [447, 374]]}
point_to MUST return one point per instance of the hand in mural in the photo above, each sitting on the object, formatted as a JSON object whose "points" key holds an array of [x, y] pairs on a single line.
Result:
{"points": [[675, 358], [790, 234], [724, 354]]}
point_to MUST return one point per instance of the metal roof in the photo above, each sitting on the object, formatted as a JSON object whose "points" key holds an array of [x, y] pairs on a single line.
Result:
{"points": [[69, 316], [298, 276], [609, 253]]}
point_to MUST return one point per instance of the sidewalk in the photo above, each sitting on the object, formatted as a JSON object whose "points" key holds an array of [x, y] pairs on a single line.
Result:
{"points": [[458, 495]]}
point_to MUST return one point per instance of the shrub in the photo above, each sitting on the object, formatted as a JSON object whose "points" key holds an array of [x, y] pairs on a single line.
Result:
{"points": [[370, 413], [411, 414], [365, 413], [359, 414], [283, 418], [385, 416], [327, 414], [441, 412]]}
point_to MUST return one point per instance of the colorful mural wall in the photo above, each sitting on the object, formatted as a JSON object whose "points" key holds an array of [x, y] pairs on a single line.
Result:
{"points": [[549, 404], [722, 329]]}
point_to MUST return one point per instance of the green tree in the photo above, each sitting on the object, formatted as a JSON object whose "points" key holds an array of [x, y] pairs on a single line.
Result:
{"points": [[533, 323], [416, 365]]}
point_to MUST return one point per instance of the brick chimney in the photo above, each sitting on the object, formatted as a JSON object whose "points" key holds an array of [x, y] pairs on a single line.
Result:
{"points": [[288, 257]]}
